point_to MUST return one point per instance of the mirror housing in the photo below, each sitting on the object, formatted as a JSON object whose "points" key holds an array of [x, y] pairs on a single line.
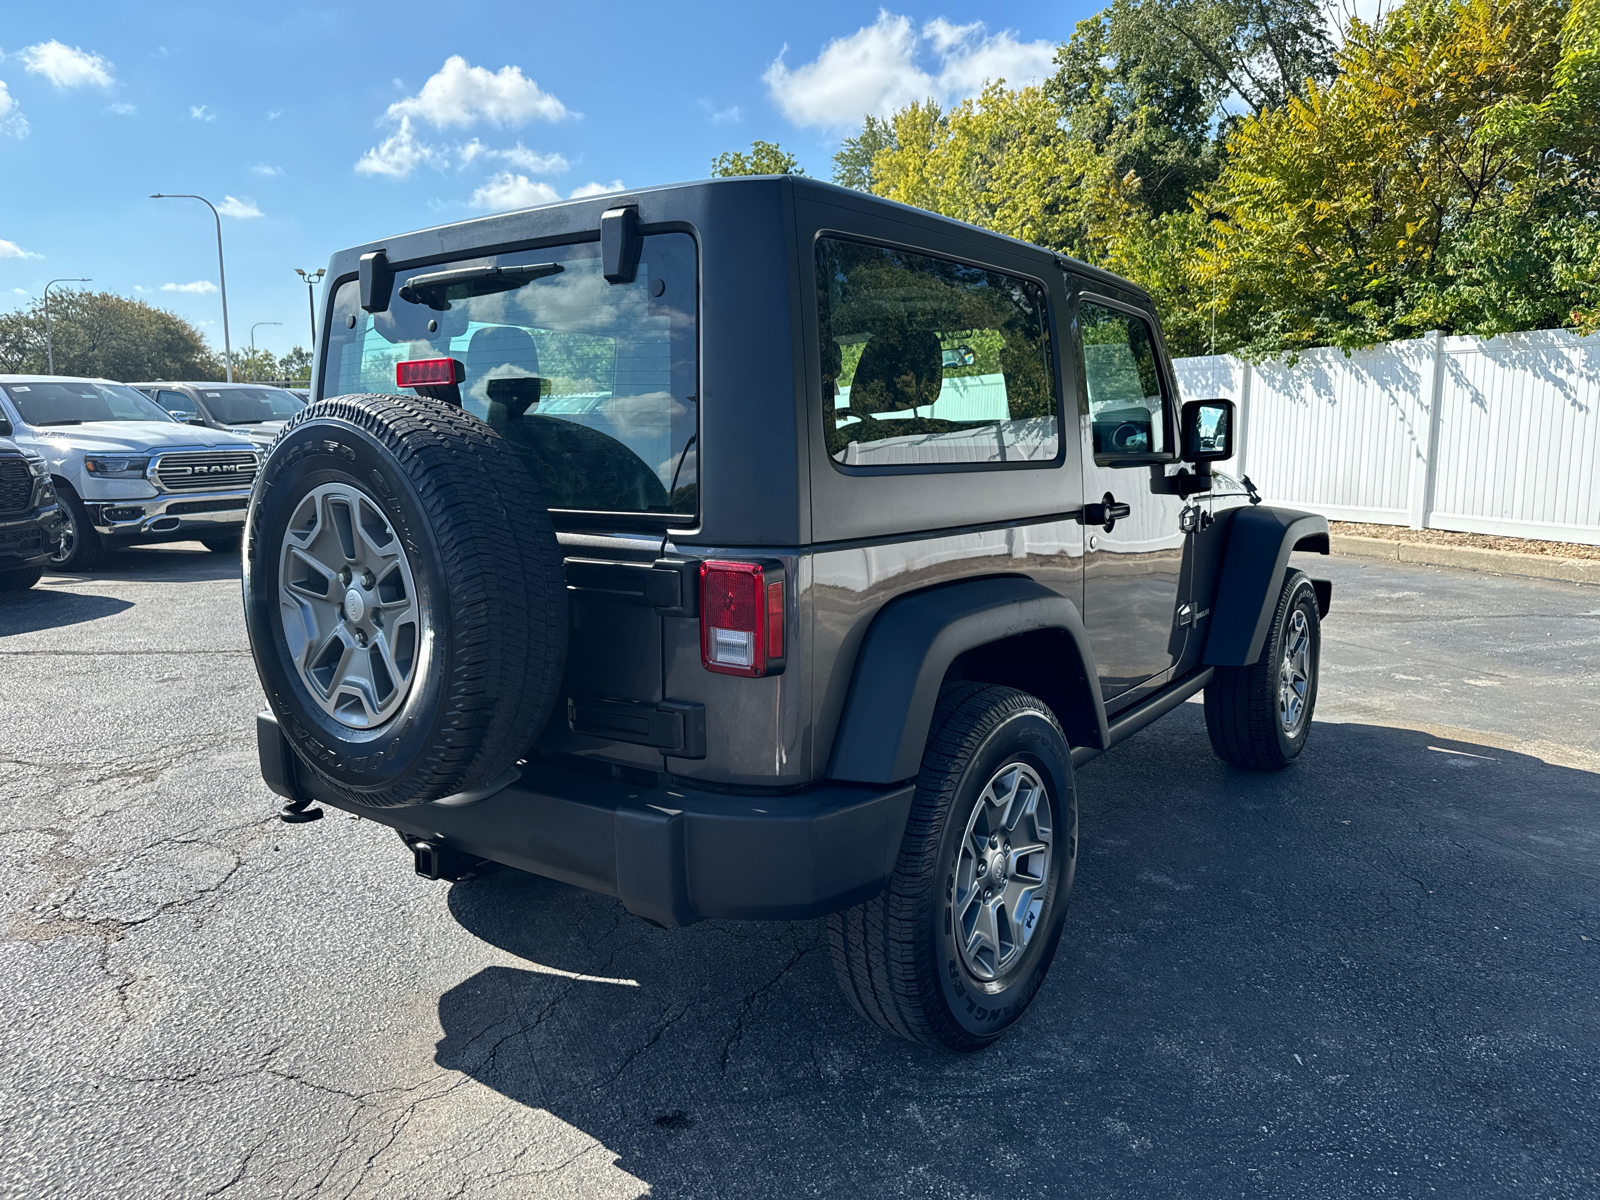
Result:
{"points": [[5, 426]]}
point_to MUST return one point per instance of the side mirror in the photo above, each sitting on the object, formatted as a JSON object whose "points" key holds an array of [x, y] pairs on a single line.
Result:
{"points": [[1207, 435], [5, 427]]}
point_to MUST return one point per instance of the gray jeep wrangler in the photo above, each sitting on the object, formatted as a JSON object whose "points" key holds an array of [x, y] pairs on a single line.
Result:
{"points": [[759, 549]]}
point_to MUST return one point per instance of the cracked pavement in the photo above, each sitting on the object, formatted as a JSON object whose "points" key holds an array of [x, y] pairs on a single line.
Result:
{"points": [[1374, 974]]}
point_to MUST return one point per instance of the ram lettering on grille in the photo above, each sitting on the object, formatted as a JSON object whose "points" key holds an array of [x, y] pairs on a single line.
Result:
{"points": [[199, 472]]}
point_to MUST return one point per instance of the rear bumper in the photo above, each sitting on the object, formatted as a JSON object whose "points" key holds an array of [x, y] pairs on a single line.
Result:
{"points": [[170, 515], [672, 855], [30, 540]]}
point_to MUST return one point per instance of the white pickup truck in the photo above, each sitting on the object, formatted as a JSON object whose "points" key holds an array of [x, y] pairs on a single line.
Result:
{"points": [[124, 470]]}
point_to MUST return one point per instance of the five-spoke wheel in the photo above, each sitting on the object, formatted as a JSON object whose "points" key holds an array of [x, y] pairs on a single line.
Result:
{"points": [[1002, 866], [350, 612]]}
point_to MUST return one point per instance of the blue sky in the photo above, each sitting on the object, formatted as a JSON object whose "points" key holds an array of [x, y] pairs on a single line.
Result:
{"points": [[316, 128]]}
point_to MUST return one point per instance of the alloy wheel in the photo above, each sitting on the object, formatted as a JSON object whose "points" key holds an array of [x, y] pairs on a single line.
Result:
{"points": [[354, 627], [1001, 870]]}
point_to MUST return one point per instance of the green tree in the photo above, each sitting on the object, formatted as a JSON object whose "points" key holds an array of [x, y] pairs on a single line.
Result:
{"points": [[852, 165], [108, 336], [1445, 179], [295, 366], [253, 366], [763, 158]]}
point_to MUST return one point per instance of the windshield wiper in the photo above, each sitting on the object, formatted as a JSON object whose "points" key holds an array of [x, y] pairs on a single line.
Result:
{"points": [[253, 421], [434, 289], [44, 424]]}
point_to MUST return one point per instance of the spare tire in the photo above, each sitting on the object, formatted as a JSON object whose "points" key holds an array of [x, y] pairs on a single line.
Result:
{"points": [[405, 598]]}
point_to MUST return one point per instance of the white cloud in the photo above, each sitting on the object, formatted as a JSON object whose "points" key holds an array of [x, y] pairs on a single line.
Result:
{"points": [[122, 110], [21, 292], [202, 287], [202, 112], [12, 250], [139, 287], [398, 155], [536, 164], [266, 169], [875, 70], [237, 208], [12, 122], [508, 190], [597, 189], [274, 113], [724, 116], [67, 66], [459, 94]]}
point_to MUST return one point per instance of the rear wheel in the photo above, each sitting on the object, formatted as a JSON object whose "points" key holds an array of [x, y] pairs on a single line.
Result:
{"points": [[21, 579], [1259, 716], [954, 949], [81, 548], [405, 598]]}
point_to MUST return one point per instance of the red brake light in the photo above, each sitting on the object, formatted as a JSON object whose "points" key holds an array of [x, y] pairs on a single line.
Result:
{"points": [[741, 618], [428, 372]]}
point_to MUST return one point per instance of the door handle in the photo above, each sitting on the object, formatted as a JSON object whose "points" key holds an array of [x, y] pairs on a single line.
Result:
{"points": [[1107, 513]]}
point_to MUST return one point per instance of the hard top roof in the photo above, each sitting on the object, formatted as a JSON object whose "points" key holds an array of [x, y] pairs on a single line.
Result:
{"points": [[500, 228]]}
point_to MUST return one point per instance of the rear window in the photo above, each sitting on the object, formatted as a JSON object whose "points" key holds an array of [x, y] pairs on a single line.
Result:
{"points": [[43, 404], [928, 362], [595, 383]]}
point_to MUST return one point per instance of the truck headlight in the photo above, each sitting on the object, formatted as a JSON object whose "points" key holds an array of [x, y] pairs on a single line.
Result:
{"points": [[38, 466], [107, 467]]}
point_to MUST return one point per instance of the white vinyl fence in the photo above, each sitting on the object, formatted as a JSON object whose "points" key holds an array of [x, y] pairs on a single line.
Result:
{"points": [[1482, 435]]}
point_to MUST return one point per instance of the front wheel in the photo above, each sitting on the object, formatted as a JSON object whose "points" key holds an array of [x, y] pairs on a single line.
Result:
{"points": [[1259, 716], [81, 548], [954, 949]]}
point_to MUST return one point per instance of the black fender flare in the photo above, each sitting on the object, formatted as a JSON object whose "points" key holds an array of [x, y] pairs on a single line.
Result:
{"points": [[908, 650], [1260, 540]]}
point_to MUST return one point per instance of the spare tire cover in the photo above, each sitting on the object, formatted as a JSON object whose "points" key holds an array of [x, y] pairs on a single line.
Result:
{"points": [[405, 598]]}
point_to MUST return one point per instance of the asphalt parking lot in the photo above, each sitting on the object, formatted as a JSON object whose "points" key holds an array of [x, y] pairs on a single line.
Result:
{"points": [[1375, 974]]}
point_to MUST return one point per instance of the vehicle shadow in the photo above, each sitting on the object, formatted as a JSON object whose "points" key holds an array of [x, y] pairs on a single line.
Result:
{"points": [[1372, 965], [41, 608], [176, 562]]}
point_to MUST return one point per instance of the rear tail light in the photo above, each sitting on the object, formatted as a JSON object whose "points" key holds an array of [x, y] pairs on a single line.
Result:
{"points": [[742, 618]]}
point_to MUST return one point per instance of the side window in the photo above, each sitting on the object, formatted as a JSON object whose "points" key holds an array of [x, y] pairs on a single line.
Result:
{"points": [[1127, 409], [176, 403], [931, 362]]}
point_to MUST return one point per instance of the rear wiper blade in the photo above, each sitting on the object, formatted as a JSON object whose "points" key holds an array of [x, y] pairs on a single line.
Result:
{"points": [[431, 289]]}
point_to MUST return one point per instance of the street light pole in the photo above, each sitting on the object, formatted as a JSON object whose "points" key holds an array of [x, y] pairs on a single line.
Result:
{"points": [[253, 329], [311, 302], [49, 343], [222, 275]]}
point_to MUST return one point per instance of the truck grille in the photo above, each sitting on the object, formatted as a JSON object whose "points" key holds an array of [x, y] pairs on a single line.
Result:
{"points": [[209, 471], [20, 541], [16, 485]]}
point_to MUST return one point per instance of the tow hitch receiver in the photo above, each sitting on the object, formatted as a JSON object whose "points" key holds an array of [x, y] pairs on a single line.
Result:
{"points": [[435, 860]]}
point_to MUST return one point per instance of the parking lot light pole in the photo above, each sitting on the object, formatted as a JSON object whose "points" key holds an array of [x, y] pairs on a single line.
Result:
{"points": [[311, 301], [222, 275], [253, 329], [49, 344]]}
